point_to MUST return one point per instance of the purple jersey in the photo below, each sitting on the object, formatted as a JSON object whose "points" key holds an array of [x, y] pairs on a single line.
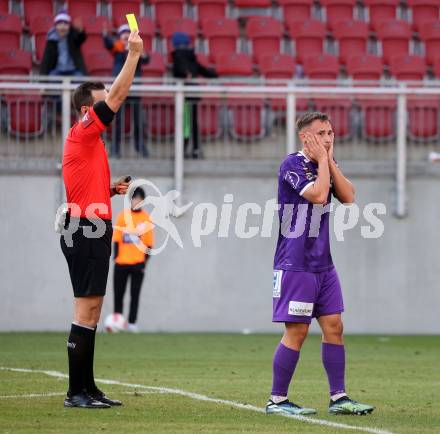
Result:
{"points": [[303, 239]]}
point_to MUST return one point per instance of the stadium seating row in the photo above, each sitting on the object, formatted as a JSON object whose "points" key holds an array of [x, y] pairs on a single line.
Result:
{"points": [[271, 66], [265, 35], [379, 11], [249, 119]]}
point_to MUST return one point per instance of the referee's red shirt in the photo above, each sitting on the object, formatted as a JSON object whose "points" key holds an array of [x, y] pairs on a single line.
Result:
{"points": [[86, 171]]}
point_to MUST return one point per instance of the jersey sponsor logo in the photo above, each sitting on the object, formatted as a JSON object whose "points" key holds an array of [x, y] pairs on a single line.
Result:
{"points": [[300, 308], [87, 120], [71, 345], [310, 175], [277, 275]]}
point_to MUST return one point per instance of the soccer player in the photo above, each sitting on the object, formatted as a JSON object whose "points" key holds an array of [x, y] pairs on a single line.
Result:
{"points": [[134, 233], [87, 180], [306, 284]]}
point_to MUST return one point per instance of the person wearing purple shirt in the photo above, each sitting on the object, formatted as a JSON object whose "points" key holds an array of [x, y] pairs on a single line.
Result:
{"points": [[306, 284]]}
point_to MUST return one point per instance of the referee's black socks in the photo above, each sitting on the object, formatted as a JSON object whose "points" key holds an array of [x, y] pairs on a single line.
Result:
{"points": [[89, 379], [80, 352]]}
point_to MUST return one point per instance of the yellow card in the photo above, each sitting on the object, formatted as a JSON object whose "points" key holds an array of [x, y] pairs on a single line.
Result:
{"points": [[132, 22]]}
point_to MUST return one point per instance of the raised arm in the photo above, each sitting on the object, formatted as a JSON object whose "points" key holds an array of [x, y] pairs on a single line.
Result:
{"points": [[120, 87], [318, 192]]}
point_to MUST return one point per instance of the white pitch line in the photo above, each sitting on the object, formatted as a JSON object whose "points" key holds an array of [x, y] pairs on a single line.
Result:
{"points": [[33, 395], [205, 398]]}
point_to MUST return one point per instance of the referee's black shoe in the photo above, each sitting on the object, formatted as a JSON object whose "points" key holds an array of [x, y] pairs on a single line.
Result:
{"points": [[100, 396], [83, 400]]}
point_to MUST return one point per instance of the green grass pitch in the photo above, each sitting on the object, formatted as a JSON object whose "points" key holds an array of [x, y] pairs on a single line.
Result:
{"points": [[400, 375]]}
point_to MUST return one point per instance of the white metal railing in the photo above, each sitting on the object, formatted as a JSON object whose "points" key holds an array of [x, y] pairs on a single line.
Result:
{"points": [[290, 90]]}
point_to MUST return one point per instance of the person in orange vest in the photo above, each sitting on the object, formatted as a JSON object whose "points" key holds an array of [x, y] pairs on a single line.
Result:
{"points": [[133, 232]]}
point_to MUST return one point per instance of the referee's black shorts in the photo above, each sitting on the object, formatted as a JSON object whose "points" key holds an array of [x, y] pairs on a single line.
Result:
{"points": [[88, 258]]}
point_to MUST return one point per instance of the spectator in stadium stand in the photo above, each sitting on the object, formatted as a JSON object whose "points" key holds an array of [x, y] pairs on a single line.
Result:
{"points": [[132, 235], [62, 53], [119, 50], [187, 67]]}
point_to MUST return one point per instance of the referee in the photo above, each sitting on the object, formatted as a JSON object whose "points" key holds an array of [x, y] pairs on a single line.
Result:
{"points": [[86, 243]]}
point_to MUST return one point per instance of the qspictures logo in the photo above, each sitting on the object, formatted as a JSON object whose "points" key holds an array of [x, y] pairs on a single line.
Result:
{"points": [[228, 219]]}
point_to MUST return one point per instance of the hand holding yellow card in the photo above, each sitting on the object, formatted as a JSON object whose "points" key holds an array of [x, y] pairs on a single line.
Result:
{"points": [[132, 23]]}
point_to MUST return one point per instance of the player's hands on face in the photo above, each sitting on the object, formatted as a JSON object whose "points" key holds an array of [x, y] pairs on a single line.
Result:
{"points": [[314, 148], [330, 152], [135, 44]]}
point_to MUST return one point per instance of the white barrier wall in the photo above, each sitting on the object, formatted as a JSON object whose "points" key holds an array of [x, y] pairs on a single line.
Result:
{"points": [[391, 284]]}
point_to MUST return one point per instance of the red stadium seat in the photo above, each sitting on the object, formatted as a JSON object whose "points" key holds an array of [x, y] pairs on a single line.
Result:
{"points": [[352, 37], [37, 8], [210, 9], [17, 62], [378, 119], [38, 27], [94, 26], [120, 8], [296, 10], [209, 110], [430, 35], [159, 114], [381, 11], [99, 63], [222, 36], [364, 67], [309, 37], [176, 24], [4, 7], [423, 119], [280, 67], [147, 29], [423, 11], [277, 66], [10, 31], [25, 115], [265, 34], [156, 67], [407, 67], [234, 64], [246, 118], [245, 115], [82, 8], [321, 67], [436, 65], [338, 10], [340, 115], [204, 60], [395, 36], [245, 4], [166, 9]]}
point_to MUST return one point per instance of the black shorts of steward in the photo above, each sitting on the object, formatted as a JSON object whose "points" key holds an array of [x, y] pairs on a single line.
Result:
{"points": [[87, 258]]}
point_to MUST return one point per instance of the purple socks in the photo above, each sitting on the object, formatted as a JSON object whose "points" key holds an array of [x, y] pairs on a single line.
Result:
{"points": [[333, 359], [284, 364]]}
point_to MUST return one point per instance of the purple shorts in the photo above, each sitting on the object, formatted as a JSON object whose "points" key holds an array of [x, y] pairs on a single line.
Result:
{"points": [[299, 296]]}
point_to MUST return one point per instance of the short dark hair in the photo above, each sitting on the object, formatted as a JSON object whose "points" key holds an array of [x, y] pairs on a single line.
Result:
{"points": [[83, 94], [307, 118], [139, 192]]}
